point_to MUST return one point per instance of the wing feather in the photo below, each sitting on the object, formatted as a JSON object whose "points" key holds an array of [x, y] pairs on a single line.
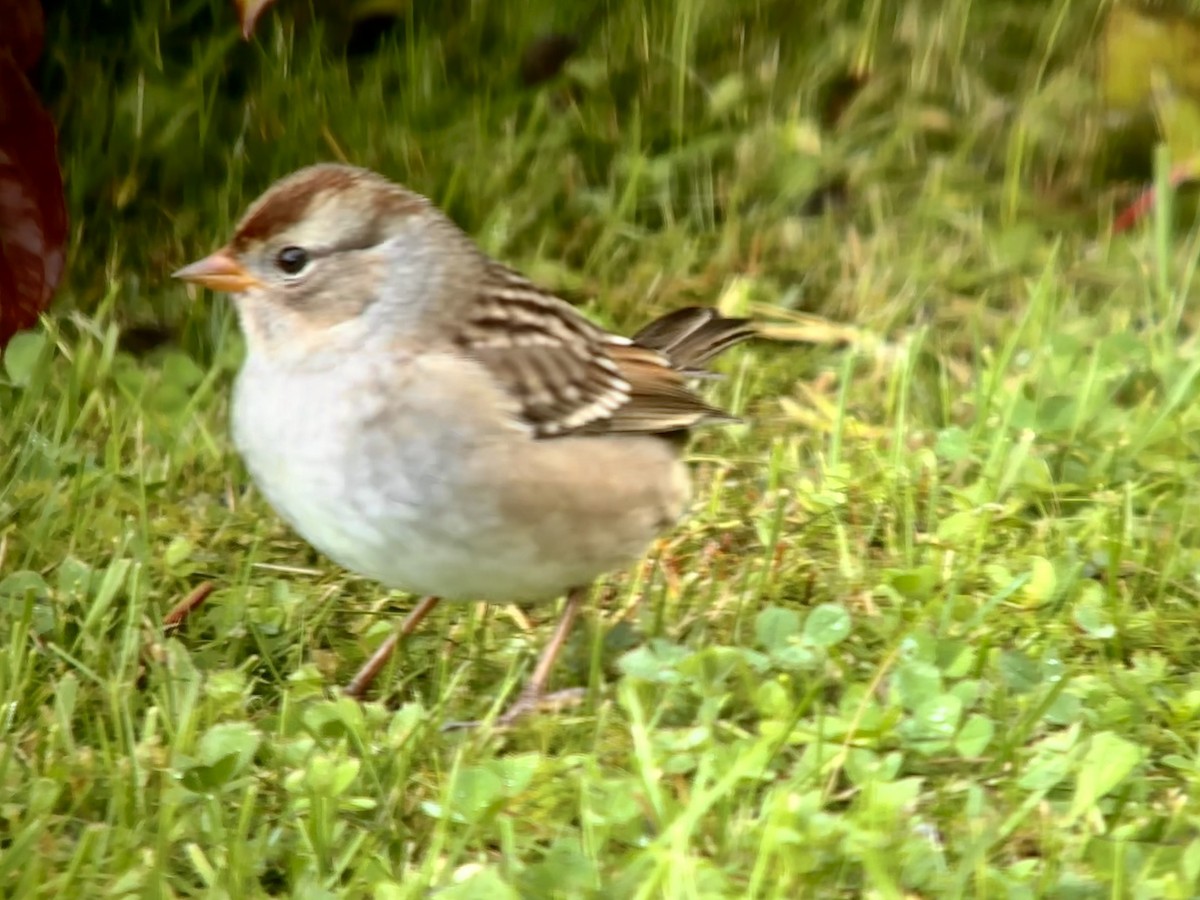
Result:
{"points": [[570, 376]]}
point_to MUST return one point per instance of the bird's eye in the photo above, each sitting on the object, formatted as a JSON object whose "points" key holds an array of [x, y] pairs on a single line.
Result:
{"points": [[291, 260]]}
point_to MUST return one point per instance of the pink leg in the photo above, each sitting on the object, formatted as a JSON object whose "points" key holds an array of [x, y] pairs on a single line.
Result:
{"points": [[366, 675], [534, 693]]}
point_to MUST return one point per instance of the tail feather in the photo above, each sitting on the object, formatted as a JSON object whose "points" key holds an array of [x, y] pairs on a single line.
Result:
{"points": [[691, 337], [657, 365]]}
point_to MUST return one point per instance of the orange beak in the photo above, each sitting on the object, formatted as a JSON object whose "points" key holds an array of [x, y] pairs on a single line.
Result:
{"points": [[220, 272]]}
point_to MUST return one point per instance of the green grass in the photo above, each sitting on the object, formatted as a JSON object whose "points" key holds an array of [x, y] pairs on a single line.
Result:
{"points": [[931, 629]]}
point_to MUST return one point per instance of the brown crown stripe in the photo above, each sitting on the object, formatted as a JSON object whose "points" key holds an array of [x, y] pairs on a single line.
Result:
{"points": [[289, 201]]}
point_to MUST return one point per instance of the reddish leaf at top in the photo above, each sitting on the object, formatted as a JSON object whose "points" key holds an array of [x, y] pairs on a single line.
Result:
{"points": [[248, 13], [1144, 203], [33, 212], [22, 31]]}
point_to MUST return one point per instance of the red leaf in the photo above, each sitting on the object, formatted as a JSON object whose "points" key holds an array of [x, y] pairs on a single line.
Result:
{"points": [[23, 31], [33, 210], [1145, 201]]}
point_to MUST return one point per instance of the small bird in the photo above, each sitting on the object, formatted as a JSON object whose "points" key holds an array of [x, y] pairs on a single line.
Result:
{"points": [[428, 418]]}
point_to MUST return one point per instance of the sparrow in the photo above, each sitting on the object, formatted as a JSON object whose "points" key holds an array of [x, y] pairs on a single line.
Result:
{"points": [[429, 418]]}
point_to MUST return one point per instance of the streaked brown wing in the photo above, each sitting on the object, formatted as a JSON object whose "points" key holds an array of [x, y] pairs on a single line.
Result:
{"points": [[544, 353], [570, 376], [659, 398]]}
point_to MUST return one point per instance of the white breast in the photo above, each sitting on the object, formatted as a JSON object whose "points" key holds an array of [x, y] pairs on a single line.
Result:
{"points": [[295, 431], [425, 508]]}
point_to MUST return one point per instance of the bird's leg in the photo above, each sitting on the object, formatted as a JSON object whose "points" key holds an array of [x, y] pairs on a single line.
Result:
{"points": [[369, 671], [534, 693]]}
